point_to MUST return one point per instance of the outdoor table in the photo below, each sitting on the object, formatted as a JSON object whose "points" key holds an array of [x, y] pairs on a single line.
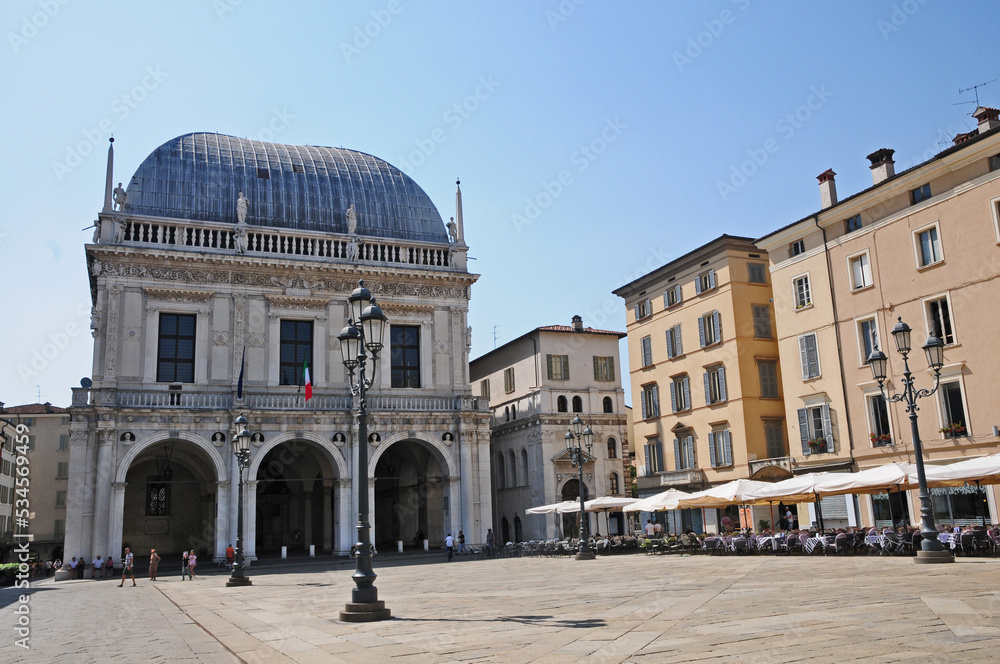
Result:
{"points": [[948, 538], [819, 540], [774, 541]]}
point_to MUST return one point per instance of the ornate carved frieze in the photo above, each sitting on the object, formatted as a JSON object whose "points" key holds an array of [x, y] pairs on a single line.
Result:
{"points": [[182, 296], [111, 340]]}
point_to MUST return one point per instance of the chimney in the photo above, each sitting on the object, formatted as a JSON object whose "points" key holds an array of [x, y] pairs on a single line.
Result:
{"points": [[962, 138], [988, 118], [577, 324], [827, 189], [882, 165]]}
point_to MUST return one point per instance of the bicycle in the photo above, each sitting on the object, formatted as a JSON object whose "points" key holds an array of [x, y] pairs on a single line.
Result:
{"points": [[225, 565]]}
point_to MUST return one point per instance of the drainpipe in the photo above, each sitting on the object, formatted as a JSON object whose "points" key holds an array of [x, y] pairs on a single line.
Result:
{"points": [[836, 329]]}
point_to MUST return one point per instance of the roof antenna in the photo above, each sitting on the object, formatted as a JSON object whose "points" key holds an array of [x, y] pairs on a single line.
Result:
{"points": [[495, 336], [975, 89]]}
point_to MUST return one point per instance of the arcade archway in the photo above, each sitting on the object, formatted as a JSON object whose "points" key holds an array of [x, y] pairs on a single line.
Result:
{"points": [[294, 500], [410, 495], [570, 522], [170, 501]]}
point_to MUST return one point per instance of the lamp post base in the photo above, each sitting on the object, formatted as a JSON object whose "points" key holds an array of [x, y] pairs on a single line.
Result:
{"points": [[365, 612], [585, 555], [238, 581], [933, 557]]}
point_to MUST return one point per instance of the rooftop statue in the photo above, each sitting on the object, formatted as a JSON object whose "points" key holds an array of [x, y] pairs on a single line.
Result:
{"points": [[120, 196], [352, 220], [241, 208]]}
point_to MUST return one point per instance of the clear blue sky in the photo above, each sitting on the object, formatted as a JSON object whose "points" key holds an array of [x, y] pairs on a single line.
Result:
{"points": [[641, 109]]}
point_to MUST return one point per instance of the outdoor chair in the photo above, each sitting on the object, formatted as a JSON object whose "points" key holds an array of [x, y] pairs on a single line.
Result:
{"points": [[893, 545], [739, 545], [982, 542], [843, 543], [714, 545], [793, 544], [966, 543]]}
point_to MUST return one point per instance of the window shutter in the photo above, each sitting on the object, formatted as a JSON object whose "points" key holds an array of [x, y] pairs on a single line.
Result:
{"points": [[687, 393], [611, 368], [701, 331], [645, 396], [708, 389], [804, 430], [673, 397], [637, 316], [677, 455], [804, 357], [677, 290], [649, 465], [711, 278], [717, 324], [565, 367], [678, 347], [597, 372], [656, 401], [690, 451], [658, 446], [722, 384], [827, 428], [711, 449], [727, 447], [548, 366], [670, 344], [697, 285]]}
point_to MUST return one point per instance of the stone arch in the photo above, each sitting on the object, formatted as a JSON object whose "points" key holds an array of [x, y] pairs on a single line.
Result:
{"points": [[333, 454], [137, 448], [438, 448]]}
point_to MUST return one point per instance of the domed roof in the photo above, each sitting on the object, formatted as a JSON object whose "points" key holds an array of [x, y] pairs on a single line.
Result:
{"points": [[303, 187]]}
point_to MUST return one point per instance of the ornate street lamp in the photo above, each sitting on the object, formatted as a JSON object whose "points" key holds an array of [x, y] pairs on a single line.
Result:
{"points": [[241, 448], [578, 457], [360, 342], [931, 549]]}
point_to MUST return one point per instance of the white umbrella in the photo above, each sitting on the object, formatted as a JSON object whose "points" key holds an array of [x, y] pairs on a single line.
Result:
{"points": [[666, 500], [553, 508], [797, 489], [730, 493], [873, 480], [981, 470]]}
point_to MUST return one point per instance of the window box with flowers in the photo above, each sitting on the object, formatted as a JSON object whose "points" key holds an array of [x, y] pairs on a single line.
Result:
{"points": [[954, 430], [880, 439], [817, 445]]}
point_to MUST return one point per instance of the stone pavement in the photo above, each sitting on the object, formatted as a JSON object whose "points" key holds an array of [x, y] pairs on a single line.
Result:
{"points": [[640, 609]]}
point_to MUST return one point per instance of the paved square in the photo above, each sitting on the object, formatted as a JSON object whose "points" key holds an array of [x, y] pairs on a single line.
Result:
{"points": [[615, 609]]}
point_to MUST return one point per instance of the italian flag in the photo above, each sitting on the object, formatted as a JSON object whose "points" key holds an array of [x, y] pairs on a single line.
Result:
{"points": [[307, 380]]}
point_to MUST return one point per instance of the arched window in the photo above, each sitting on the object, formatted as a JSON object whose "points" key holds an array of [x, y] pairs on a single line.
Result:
{"points": [[609, 405], [506, 413], [612, 448], [524, 467], [517, 529], [577, 405], [512, 469], [505, 531], [513, 412], [613, 484], [561, 404], [501, 476]]}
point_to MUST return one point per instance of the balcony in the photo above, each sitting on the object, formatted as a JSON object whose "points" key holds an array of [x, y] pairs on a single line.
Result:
{"points": [[175, 399], [784, 463], [671, 478], [277, 242]]}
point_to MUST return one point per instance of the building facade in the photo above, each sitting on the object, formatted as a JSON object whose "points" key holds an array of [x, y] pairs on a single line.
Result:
{"points": [[536, 384], [48, 477], [921, 245], [220, 280], [703, 356]]}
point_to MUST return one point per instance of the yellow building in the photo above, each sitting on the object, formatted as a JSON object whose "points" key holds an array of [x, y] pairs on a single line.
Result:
{"points": [[921, 245], [703, 357]]}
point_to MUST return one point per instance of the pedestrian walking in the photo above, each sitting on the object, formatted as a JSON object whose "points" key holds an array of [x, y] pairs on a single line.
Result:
{"points": [[127, 568], [154, 563], [192, 563], [449, 543], [461, 542], [185, 569]]}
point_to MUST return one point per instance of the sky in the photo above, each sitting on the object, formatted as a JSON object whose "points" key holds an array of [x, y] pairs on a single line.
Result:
{"points": [[594, 141]]}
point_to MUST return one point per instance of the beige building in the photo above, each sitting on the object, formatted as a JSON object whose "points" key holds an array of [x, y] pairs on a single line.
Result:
{"points": [[536, 384], [227, 263], [921, 245], [48, 457], [706, 383]]}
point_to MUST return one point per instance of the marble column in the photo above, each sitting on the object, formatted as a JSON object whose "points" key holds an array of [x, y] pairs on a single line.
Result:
{"points": [[346, 533], [117, 520], [307, 520], [327, 517], [371, 505], [103, 479], [222, 506], [250, 514]]}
